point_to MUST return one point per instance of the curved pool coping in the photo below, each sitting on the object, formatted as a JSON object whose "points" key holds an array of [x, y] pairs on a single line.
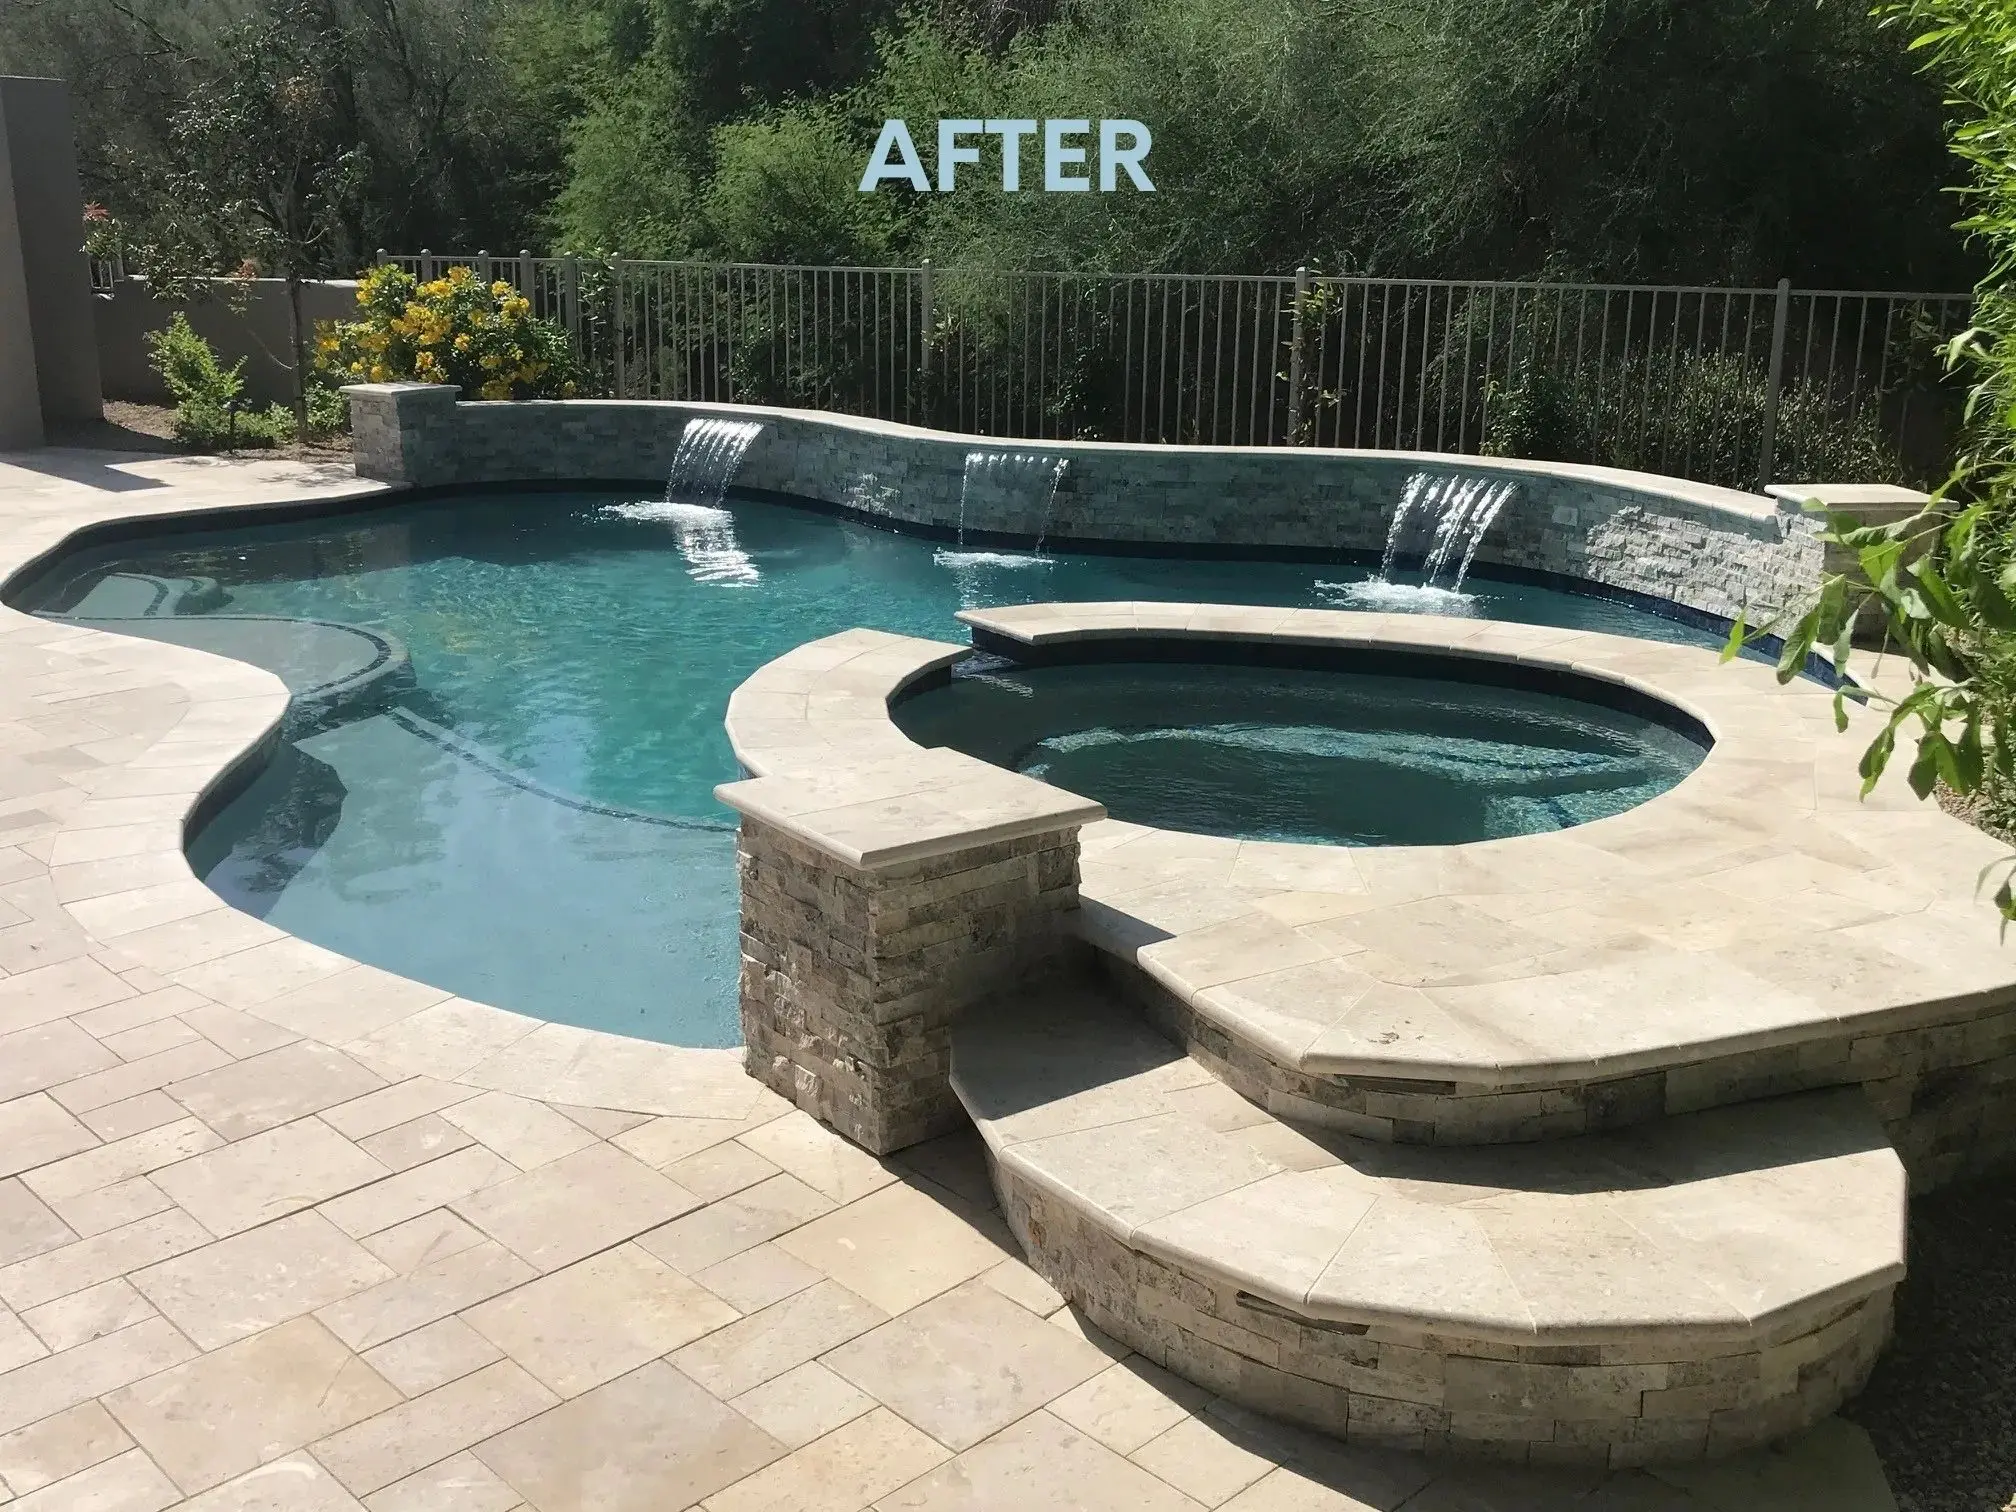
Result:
{"points": [[119, 866], [1759, 907], [1152, 895], [114, 861]]}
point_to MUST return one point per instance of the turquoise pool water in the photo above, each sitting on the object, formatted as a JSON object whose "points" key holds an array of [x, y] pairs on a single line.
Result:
{"points": [[530, 821], [1309, 756]]}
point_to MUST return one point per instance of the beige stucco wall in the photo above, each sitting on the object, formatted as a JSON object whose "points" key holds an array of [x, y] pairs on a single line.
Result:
{"points": [[255, 331], [20, 395], [48, 213]]}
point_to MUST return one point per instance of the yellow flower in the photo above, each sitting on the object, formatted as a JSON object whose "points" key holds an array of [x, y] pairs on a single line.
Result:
{"points": [[500, 288], [462, 342], [379, 373], [423, 362], [357, 368]]}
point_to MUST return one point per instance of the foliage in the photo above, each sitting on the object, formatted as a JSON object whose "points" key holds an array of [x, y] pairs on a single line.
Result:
{"points": [[1698, 415], [460, 127], [328, 410], [207, 394], [456, 329], [1697, 140], [1691, 140], [1944, 580]]}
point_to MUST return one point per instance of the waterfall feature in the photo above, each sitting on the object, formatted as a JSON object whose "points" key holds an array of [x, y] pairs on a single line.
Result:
{"points": [[1014, 492], [709, 455], [1442, 518]]}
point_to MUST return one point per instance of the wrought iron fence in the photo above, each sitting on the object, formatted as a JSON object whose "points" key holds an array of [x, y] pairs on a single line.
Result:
{"points": [[1728, 385]]}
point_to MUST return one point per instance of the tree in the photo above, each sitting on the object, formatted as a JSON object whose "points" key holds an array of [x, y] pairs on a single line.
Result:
{"points": [[461, 106], [263, 163]]}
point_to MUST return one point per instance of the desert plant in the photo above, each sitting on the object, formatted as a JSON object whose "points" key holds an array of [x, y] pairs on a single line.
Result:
{"points": [[209, 412], [328, 410], [455, 329]]}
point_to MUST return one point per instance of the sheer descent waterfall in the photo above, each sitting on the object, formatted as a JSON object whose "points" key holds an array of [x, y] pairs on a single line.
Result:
{"points": [[710, 454], [1004, 478], [1442, 518]]}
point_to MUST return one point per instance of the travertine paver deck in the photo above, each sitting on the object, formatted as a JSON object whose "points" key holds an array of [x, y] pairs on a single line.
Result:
{"points": [[1708, 911], [280, 1231]]}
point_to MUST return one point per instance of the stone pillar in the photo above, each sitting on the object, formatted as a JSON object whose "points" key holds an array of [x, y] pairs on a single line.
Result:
{"points": [[49, 207], [404, 432], [856, 958], [1870, 504]]}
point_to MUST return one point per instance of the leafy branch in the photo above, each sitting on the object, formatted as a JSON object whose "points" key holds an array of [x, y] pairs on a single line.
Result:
{"points": [[1943, 583]]}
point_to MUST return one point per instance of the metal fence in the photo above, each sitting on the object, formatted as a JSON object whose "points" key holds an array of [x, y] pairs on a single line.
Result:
{"points": [[1733, 386]]}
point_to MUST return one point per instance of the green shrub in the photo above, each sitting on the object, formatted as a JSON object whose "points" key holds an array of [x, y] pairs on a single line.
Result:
{"points": [[1698, 416], [328, 411], [209, 414], [189, 368]]}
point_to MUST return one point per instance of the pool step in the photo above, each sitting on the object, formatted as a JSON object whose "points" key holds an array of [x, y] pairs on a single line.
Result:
{"points": [[1687, 1288]]}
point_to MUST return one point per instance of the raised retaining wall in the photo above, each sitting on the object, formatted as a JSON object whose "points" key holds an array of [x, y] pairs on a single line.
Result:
{"points": [[1657, 1399], [1712, 550]]}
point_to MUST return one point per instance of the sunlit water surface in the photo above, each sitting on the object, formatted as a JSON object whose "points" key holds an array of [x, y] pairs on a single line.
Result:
{"points": [[531, 822]]}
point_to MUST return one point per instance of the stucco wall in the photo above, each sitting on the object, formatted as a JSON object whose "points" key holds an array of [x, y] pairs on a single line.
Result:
{"points": [[49, 205], [256, 332], [1711, 549], [20, 393]]}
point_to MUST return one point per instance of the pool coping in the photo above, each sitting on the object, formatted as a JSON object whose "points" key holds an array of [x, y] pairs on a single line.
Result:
{"points": [[226, 731], [202, 716], [1248, 935]]}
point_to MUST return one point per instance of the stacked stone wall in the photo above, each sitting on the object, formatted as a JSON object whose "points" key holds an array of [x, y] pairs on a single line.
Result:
{"points": [[1653, 1397], [1944, 1087], [1709, 549], [851, 977]]}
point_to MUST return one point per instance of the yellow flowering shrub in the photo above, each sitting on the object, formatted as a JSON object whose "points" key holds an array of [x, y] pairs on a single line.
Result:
{"points": [[456, 329]]}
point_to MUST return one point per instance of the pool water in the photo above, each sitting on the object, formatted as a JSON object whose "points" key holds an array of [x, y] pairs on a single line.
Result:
{"points": [[1308, 756], [530, 821]]}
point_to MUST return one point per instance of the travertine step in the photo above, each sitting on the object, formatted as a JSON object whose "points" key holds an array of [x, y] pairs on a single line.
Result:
{"points": [[1685, 1288]]}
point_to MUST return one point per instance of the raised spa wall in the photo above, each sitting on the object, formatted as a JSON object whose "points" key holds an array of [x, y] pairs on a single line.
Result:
{"points": [[1713, 550]]}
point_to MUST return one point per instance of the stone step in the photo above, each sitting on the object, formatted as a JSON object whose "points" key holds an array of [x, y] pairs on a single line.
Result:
{"points": [[1685, 1288]]}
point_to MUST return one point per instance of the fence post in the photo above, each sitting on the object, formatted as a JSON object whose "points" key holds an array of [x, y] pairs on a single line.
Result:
{"points": [[924, 299], [570, 304], [525, 283], [1772, 383], [426, 265], [1295, 360], [619, 319], [382, 259]]}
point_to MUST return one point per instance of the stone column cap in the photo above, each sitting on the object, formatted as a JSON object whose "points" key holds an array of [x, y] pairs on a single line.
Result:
{"points": [[1877, 503], [407, 392], [943, 803]]}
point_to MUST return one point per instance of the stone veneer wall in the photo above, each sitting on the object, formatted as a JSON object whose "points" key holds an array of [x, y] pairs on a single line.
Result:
{"points": [[1712, 549], [851, 976], [1625, 1401], [1944, 1088]]}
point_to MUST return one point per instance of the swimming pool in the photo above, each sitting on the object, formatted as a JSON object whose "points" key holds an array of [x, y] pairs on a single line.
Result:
{"points": [[1307, 755], [527, 818]]}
